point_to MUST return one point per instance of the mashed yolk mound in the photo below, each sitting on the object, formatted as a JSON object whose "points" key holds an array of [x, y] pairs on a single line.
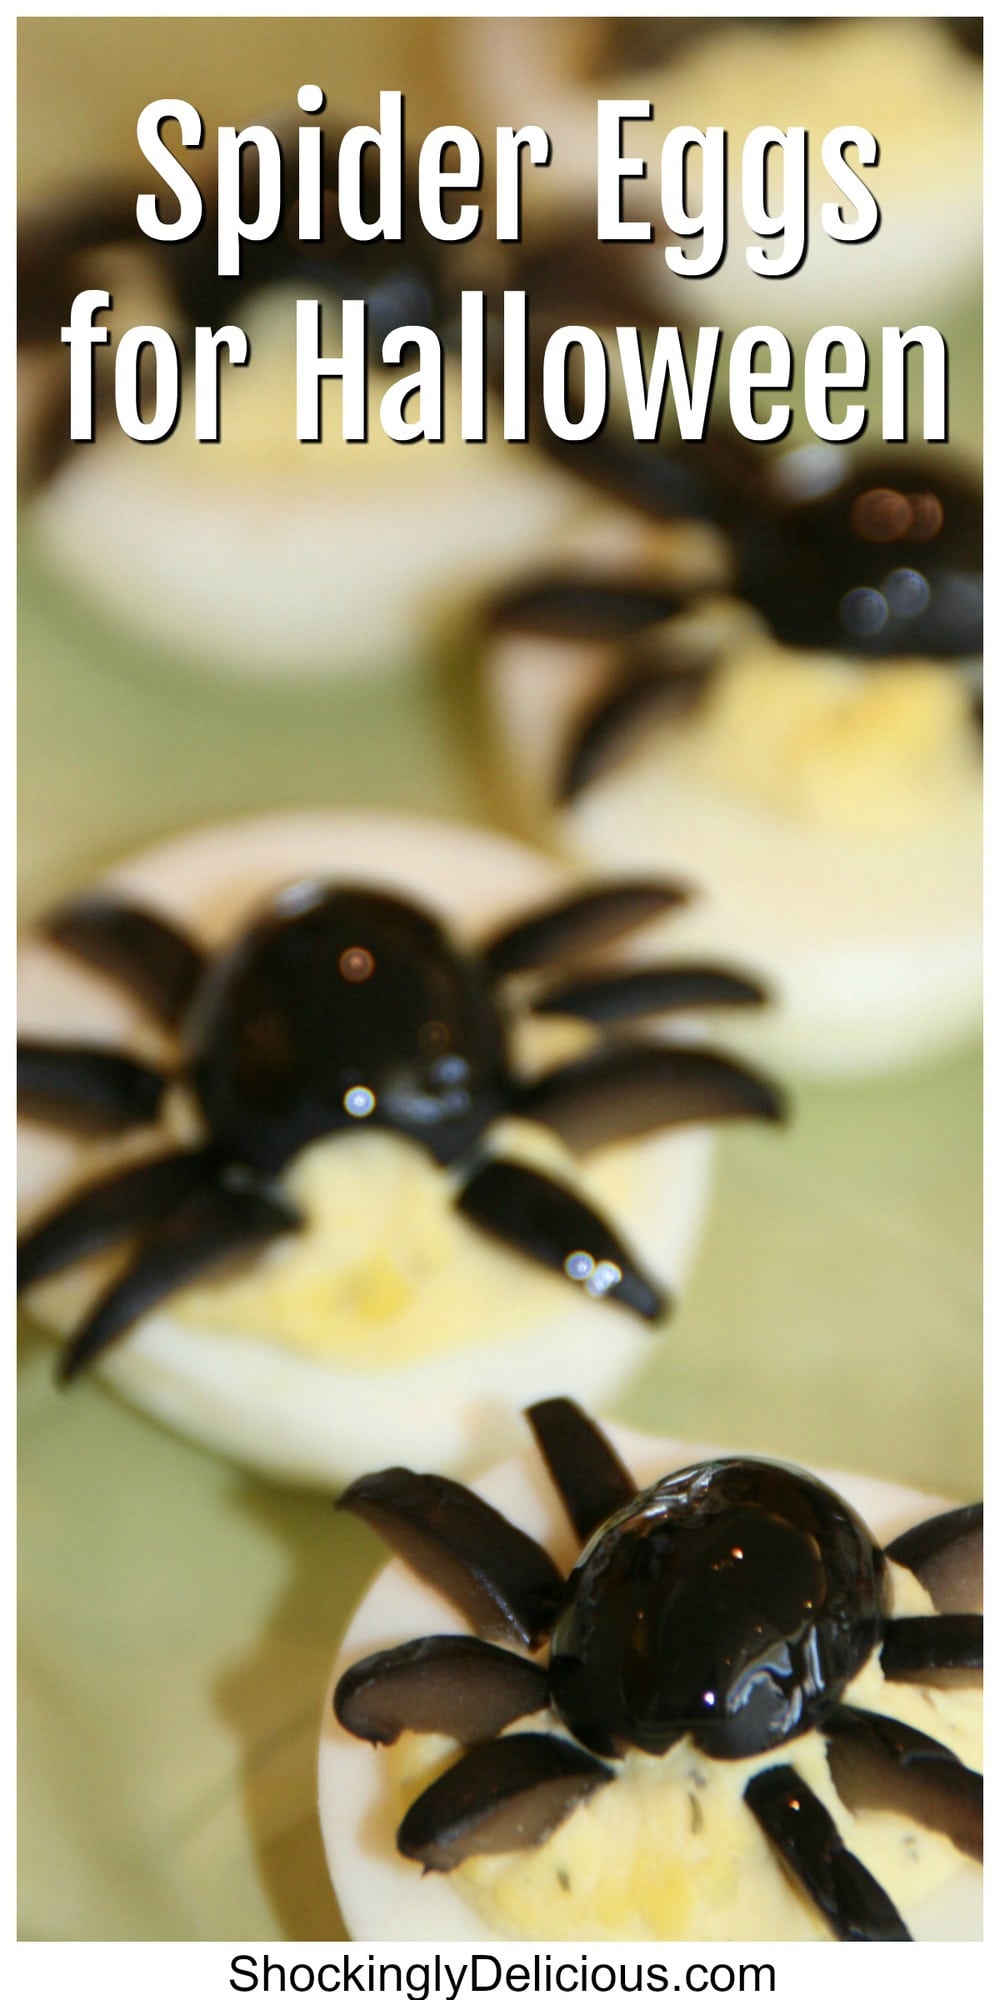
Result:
{"points": [[386, 1270], [881, 750]]}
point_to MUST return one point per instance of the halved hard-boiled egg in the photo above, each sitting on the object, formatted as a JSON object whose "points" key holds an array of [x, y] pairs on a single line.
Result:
{"points": [[670, 1849], [910, 83], [265, 556], [820, 776], [386, 1322]]}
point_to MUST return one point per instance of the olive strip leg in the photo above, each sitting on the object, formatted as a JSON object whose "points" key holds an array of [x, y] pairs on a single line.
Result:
{"points": [[590, 1477], [452, 1685], [204, 1233], [637, 1088], [549, 1223], [86, 1089], [500, 1797], [945, 1554], [108, 1210], [141, 950], [802, 1832], [883, 1765], [497, 1577]]}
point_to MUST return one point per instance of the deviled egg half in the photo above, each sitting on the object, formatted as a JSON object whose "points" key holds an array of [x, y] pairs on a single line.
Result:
{"points": [[802, 733], [264, 556], [405, 1280], [257, 553], [531, 1835], [913, 84]]}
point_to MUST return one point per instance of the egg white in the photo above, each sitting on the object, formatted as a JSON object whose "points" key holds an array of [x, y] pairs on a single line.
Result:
{"points": [[260, 555], [872, 945], [293, 1417], [384, 1897]]}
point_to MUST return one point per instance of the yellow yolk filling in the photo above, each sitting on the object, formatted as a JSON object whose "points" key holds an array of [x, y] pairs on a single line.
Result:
{"points": [[882, 751], [670, 1849], [386, 1270]]}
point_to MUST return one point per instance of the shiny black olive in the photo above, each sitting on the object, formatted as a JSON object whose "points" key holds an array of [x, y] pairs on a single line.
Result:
{"points": [[343, 1006], [733, 1602], [886, 561]]}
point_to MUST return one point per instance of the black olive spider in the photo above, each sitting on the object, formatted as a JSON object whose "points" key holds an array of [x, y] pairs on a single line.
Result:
{"points": [[418, 280], [342, 1005], [65, 244], [876, 560], [733, 1602]]}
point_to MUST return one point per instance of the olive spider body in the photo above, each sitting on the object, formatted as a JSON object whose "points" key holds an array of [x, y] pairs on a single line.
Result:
{"points": [[732, 1602], [399, 281], [660, 1633], [876, 559], [301, 1029], [342, 1006]]}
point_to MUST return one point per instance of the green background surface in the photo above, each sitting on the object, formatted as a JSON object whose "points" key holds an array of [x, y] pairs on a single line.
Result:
{"points": [[178, 1619]]}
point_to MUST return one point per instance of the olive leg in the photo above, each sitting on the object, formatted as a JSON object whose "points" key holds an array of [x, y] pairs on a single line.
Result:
{"points": [[501, 1580], [588, 1472], [548, 1223], [608, 998], [628, 1091], [84, 1088], [571, 605], [944, 1650], [449, 1686], [608, 731], [105, 1212], [802, 1832], [884, 1765], [210, 1228], [143, 951], [580, 923], [945, 1554], [500, 1797]]}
